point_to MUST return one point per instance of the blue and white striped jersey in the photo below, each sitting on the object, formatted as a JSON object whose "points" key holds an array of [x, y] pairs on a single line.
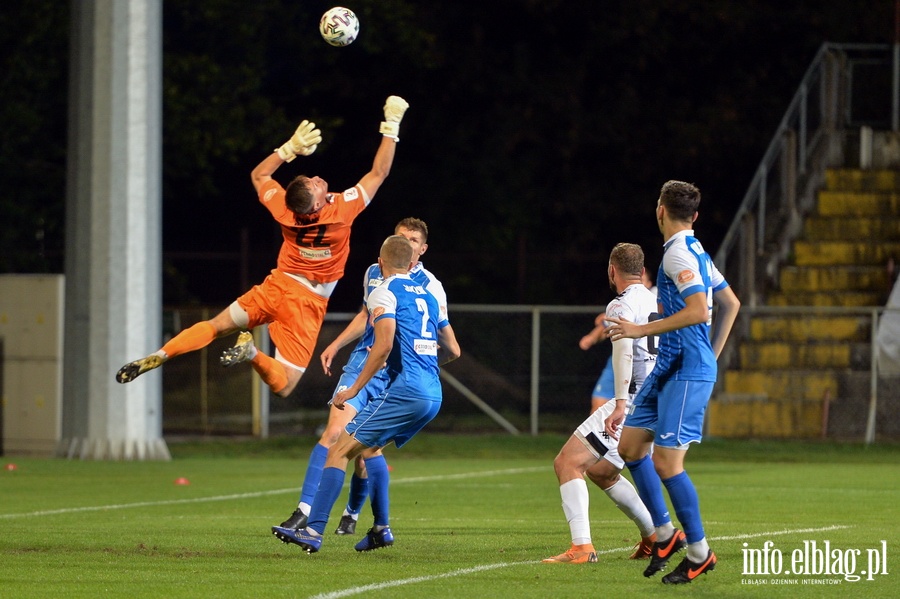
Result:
{"points": [[372, 280], [412, 366], [686, 354]]}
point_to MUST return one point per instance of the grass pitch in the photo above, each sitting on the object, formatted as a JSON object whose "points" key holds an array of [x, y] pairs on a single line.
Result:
{"points": [[472, 516]]}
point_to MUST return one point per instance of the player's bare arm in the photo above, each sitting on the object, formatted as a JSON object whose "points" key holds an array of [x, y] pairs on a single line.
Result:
{"points": [[448, 346], [381, 349], [351, 332], [694, 312], [597, 334], [394, 109], [729, 305], [381, 167]]}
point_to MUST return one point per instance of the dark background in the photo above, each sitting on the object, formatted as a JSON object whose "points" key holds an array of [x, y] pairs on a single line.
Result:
{"points": [[538, 135]]}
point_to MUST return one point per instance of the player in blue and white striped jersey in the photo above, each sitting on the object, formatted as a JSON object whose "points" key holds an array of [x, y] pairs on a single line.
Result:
{"points": [[416, 232], [411, 342], [668, 411]]}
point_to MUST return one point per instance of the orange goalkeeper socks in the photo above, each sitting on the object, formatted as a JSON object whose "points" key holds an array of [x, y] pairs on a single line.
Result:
{"points": [[270, 370], [190, 339]]}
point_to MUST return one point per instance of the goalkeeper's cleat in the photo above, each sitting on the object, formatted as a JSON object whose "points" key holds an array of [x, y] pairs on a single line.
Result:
{"points": [[663, 552], [241, 352], [296, 521], [687, 570], [304, 538], [577, 554], [644, 549], [376, 540], [347, 526], [132, 370]]}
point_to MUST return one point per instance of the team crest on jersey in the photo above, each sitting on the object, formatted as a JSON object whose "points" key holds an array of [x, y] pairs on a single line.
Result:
{"points": [[351, 194], [685, 275]]}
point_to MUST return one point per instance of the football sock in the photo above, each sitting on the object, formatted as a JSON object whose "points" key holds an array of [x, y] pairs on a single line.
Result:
{"points": [[270, 370], [687, 506], [647, 482], [664, 532], [575, 501], [190, 339], [329, 490], [359, 490], [626, 498], [697, 552], [379, 478], [313, 475]]}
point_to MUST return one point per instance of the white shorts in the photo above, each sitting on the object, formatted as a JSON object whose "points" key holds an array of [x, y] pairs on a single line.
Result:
{"points": [[592, 433]]}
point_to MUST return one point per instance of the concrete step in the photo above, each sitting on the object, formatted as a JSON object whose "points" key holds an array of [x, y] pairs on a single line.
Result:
{"points": [[748, 415], [795, 385], [839, 253], [784, 355], [853, 204], [819, 228], [806, 328], [862, 180], [833, 278], [827, 298]]}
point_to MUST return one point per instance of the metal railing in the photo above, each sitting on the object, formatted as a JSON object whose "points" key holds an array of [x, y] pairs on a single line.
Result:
{"points": [[847, 86], [521, 369]]}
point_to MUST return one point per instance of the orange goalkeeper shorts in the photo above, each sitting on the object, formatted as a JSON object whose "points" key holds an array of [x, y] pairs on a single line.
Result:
{"points": [[294, 313]]}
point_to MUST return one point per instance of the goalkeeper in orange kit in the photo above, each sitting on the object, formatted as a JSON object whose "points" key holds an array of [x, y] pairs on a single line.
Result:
{"points": [[315, 226]]}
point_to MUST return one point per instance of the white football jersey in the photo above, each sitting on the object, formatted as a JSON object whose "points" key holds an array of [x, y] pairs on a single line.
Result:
{"points": [[637, 304]]}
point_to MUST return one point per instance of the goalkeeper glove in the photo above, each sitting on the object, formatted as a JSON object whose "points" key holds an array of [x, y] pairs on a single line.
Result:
{"points": [[394, 108], [304, 141]]}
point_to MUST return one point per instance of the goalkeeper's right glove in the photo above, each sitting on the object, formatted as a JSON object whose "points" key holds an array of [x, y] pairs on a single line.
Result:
{"points": [[304, 141], [394, 107]]}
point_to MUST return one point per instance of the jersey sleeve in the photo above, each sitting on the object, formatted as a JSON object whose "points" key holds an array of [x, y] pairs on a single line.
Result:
{"points": [[619, 309], [382, 304], [437, 290], [718, 280], [351, 203], [684, 270], [371, 280], [271, 195]]}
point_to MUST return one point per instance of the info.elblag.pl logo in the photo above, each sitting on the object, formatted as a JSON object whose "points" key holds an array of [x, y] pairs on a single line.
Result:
{"points": [[813, 559]]}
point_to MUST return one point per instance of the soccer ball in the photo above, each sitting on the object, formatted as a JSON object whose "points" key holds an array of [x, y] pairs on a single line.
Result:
{"points": [[339, 26]]}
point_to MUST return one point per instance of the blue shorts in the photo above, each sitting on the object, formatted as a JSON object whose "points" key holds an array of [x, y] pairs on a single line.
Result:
{"points": [[373, 388], [672, 410], [606, 384], [384, 419]]}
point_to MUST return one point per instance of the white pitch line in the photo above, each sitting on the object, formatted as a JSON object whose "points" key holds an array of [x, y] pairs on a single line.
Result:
{"points": [[122, 506], [404, 581]]}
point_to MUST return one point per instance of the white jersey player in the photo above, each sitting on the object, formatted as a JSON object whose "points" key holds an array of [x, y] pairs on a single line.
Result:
{"points": [[593, 452]]}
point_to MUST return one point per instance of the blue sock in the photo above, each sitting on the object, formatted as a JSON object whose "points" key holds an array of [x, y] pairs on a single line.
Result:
{"points": [[687, 505], [329, 490], [359, 490], [647, 482], [313, 473], [379, 478]]}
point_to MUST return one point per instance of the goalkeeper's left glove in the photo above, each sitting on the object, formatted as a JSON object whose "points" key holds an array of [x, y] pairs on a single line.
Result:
{"points": [[394, 107], [304, 141]]}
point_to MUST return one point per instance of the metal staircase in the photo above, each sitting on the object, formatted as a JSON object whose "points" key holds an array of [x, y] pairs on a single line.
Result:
{"points": [[809, 256]]}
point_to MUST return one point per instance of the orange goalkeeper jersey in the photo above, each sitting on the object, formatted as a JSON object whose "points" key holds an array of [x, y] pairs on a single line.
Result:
{"points": [[318, 251]]}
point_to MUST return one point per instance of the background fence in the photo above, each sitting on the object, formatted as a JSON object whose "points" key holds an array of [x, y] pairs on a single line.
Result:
{"points": [[522, 361]]}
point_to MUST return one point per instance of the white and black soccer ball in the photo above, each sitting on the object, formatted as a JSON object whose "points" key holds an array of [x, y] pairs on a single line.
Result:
{"points": [[339, 26]]}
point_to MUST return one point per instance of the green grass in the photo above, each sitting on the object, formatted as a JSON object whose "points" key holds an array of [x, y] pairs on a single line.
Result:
{"points": [[473, 516]]}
